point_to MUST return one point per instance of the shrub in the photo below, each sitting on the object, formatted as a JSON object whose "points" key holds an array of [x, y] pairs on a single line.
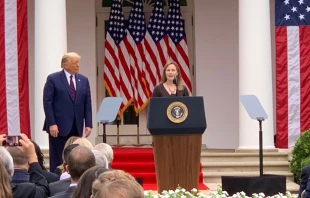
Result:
{"points": [[301, 154]]}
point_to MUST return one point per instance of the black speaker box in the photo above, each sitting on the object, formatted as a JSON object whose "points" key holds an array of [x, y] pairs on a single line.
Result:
{"points": [[267, 184]]}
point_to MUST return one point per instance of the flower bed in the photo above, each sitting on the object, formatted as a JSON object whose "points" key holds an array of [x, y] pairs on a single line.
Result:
{"points": [[180, 192]]}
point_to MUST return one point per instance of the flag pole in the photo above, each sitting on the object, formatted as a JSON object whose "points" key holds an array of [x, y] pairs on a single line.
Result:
{"points": [[117, 129], [138, 130]]}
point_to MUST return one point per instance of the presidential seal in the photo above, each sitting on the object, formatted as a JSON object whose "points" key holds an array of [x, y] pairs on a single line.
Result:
{"points": [[177, 112]]}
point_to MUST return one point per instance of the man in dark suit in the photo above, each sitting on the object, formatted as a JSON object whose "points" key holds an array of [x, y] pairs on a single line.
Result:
{"points": [[67, 104], [305, 173], [80, 159]]}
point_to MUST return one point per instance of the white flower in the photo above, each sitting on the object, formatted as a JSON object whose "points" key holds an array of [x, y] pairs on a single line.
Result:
{"points": [[183, 190], [194, 190], [171, 192], [261, 194]]}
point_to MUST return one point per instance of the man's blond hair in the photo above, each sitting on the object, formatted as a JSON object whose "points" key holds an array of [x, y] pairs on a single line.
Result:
{"points": [[67, 58]]}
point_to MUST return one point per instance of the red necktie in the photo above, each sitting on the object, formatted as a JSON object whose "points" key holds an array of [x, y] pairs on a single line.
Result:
{"points": [[72, 89]]}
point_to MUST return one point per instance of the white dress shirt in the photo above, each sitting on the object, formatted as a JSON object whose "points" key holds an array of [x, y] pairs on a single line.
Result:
{"points": [[68, 78]]}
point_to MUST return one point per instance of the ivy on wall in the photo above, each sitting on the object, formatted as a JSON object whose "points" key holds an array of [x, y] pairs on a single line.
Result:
{"points": [[128, 3]]}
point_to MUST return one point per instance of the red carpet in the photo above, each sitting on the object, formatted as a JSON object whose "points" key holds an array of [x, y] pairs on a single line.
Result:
{"points": [[139, 162]]}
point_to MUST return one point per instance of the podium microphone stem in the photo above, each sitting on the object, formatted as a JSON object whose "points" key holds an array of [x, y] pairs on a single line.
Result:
{"points": [[104, 135], [260, 148]]}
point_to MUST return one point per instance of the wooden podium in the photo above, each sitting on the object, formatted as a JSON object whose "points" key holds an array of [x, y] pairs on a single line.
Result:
{"points": [[176, 140]]}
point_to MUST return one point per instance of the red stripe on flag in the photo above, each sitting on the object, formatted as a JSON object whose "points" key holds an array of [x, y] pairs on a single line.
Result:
{"points": [[304, 40], [153, 60], [22, 41], [281, 88], [3, 112]]}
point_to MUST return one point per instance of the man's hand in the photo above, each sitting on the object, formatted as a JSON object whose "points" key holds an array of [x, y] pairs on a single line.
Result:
{"points": [[87, 131], [54, 130], [2, 139], [28, 148]]}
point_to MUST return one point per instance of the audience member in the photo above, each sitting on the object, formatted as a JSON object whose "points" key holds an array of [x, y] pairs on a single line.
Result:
{"points": [[50, 177], [21, 166], [84, 187], [60, 169], [106, 149], [80, 159], [305, 173], [122, 188], [84, 142], [37, 185], [65, 179], [101, 159], [5, 186]]}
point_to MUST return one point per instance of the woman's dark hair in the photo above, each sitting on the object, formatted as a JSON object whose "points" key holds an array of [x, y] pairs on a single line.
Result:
{"points": [[84, 187], [40, 155]]}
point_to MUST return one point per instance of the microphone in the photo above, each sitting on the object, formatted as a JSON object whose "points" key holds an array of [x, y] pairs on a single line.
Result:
{"points": [[175, 81]]}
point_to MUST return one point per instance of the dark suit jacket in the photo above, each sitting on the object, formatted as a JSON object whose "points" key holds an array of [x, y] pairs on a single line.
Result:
{"points": [[59, 186], [37, 187], [305, 172], [65, 194], [59, 107], [50, 177]]}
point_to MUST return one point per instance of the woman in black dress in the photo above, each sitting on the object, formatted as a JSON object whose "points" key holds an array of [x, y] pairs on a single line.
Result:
{"points": [[171, 82]]}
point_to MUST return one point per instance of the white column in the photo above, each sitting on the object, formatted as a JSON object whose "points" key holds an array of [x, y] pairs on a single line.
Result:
{"points": [[255, 70], [50, 46]]}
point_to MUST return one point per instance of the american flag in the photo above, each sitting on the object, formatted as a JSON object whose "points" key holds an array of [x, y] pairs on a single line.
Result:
{"points": [[177, 49], [116, 63], [156, 41], [139, 66], [292, 19], [14, 89]]}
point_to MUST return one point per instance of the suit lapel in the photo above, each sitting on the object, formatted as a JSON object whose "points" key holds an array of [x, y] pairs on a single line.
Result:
{"points": [[65, 82], [78, 83]]}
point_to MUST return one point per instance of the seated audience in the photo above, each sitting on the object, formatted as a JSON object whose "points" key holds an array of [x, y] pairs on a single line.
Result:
{"points": [[101, 159], [60, 169], [305, 173], [113, 175], [80, 159], [5, 186], [21, 166], [84, 142], [50, 177], [106, 149], [84, 187], [63, 185], [122, 188], [37, 185]]}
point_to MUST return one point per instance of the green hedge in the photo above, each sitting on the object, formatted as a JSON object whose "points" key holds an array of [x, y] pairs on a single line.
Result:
{"points": [[301, 155]]}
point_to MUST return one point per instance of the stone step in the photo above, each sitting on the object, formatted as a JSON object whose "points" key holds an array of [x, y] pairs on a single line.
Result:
{"points": [[242, 157], [215, 177], [244, 166]]}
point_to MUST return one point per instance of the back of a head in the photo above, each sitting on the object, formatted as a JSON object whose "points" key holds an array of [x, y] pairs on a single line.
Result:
{"points": [[122, 188], [84, 142], [19, 158], [79, 160], [7, 160], [106, 149], [84, 187], [67, 150], [111, 176], [5, 185], [39, 154], [101, 159]]}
